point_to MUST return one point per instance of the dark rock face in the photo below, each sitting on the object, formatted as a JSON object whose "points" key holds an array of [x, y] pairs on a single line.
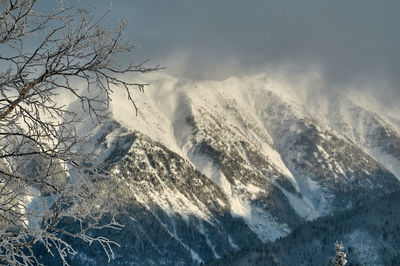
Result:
{"points": [[346, 174]]}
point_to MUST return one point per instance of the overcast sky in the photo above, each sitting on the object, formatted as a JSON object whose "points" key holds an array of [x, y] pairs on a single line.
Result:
{"points": [[353, 42]]}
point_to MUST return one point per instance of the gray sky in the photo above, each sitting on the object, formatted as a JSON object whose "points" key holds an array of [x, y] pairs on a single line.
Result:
{"points": [[350, 42]]}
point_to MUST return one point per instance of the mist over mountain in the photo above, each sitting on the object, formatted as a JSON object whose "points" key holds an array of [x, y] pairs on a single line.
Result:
{"points": [[353, 44], [211, 168]]}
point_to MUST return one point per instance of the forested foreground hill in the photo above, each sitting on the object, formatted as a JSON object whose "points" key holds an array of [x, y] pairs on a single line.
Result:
{"points": [[370, 234]]}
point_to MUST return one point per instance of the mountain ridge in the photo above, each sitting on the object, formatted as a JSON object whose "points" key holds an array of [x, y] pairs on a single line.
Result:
{"points": [[210, 168]]}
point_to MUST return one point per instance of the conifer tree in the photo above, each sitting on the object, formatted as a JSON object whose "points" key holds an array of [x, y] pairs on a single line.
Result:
{"points": [[340, 257]]}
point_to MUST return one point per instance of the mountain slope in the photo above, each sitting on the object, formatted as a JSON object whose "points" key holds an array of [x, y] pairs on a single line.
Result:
{"points": [[370, 235], [210, 168]]}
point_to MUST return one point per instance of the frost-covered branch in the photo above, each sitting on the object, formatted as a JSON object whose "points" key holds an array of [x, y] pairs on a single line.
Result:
{"points": [[45, 175]]}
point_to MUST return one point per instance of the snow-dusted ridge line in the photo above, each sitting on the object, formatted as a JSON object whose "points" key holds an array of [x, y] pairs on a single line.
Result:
{"points": [[253, 109]]}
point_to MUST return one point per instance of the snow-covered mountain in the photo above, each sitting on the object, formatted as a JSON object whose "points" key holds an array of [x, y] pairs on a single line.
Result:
{"points": [[212, 167]]}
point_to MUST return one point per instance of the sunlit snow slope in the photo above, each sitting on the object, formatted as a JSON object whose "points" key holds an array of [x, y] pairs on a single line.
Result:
{"points": [[215, 166], [317, 152]]}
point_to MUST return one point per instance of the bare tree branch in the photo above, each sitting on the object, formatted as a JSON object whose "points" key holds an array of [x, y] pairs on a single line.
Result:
{"points": [[43, 160]]}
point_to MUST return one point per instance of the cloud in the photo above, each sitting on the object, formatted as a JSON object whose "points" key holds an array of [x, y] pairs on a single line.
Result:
{"points": [[351, 38], [352, 44]]}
